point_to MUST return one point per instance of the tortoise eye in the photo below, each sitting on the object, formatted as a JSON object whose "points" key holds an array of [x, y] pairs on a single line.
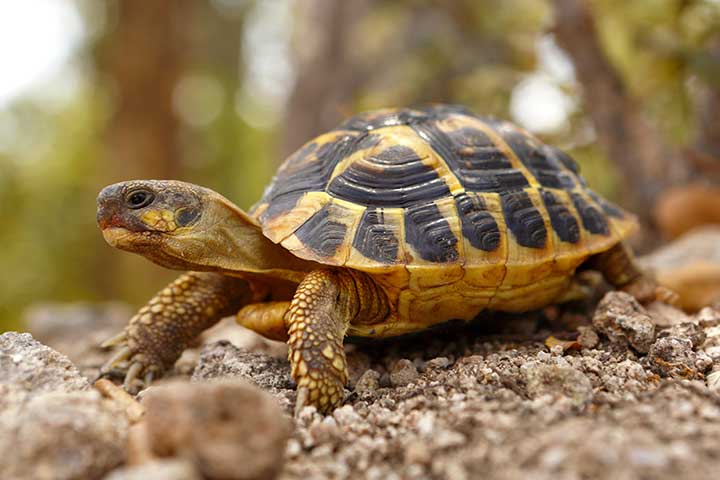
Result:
{"points": [[139, 199]]}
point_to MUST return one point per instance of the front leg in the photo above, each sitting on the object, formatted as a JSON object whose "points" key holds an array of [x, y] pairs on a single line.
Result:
{"points": [[324, 305], [158, 334]]}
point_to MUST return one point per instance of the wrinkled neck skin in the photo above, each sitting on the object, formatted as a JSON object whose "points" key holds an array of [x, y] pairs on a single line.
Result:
{"points": [[227, 239]]}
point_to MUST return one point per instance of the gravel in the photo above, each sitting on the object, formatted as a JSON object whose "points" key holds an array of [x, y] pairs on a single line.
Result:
{"points": [[636, 394]]}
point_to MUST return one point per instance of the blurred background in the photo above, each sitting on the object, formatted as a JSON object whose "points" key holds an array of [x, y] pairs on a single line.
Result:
{"points": [[218, 92]]}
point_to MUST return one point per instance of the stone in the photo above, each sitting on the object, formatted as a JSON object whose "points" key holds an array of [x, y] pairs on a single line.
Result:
{"points": [[438, 363], [542, 379], [713, 381], [690, 266], [708, 317], [665, 315], [229, 429], [346, 415], [674, 357], [28, 368], [368, 383], [588, 338], [62, 435], [692, 331], [157, 470], [403, 372], [623, 320]]}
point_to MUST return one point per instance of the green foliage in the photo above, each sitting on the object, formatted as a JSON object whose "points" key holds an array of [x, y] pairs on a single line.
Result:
{"points": [[409, 52]]}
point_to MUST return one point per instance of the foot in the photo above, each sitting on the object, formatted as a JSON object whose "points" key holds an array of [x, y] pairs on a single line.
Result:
{"points": [[325, 393], [646, 290], [134, 367], [161, 330]]}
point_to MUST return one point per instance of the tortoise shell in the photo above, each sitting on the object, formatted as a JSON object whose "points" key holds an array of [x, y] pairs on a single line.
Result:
{"points": [[441, 192]]}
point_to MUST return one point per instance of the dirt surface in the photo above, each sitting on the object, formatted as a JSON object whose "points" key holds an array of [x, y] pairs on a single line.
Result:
{"points": [[624, 392]]}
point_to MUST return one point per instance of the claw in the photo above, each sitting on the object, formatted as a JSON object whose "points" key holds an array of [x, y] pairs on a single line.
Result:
{"points": [[149, 377], [301, 400], [132, 373], [667, 295], [122, 354], [114, 341]]}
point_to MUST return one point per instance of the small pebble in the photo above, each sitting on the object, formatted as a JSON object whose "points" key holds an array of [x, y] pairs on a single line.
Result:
{"points": [[368, 383], [623, 320], [692, 331], [438, 363], [674, 357], [588, 338], [544, 379], [403, 372], [346, 415]]}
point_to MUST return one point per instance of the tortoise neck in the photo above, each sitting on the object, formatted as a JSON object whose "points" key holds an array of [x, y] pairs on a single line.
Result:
{"points": [[230, 241]]}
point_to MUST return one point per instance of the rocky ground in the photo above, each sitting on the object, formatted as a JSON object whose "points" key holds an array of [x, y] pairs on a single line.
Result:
{"points": [[605, 389], [627, 393]]}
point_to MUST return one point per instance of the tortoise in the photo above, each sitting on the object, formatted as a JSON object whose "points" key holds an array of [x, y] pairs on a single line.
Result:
{"points": [[395, 221]]}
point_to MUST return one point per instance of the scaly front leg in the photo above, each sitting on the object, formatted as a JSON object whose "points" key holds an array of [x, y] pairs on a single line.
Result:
{"points": [[325, 304], [158, 334]]}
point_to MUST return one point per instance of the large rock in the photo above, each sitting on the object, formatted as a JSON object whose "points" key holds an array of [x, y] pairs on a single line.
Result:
{"points": [[62, 436], [157, 470], [622, 319], [224, 360], [28, 368], [228, 429], [690, 266]]}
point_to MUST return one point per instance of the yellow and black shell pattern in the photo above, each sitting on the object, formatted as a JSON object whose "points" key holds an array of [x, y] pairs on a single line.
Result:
{"points": [[435, 195]]}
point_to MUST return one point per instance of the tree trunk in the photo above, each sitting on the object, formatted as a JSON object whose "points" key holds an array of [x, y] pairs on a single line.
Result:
{"points": [[644, 159], [143, 57], [325, 69], [707, 145]]}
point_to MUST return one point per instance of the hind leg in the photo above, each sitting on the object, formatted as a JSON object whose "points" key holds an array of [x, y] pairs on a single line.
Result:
{"points": [[620, 269]]}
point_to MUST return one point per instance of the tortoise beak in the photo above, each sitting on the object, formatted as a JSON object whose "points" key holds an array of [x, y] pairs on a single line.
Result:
{"points": [[109, 212]]}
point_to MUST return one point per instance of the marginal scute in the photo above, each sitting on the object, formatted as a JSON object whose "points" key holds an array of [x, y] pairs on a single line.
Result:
{"points": [[523, 219]]}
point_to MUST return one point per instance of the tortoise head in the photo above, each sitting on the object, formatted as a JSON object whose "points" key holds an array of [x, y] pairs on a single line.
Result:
{"points": [[141, 215], [184, 226]]}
